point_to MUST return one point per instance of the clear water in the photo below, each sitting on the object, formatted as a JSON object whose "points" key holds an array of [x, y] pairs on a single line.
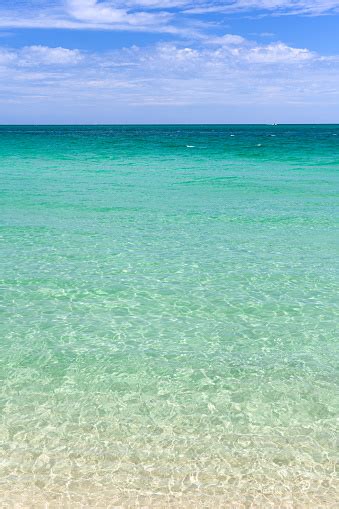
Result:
{"points": [[169, 304]]}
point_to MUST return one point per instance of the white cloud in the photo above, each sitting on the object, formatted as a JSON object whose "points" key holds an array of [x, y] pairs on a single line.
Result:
{"points": [[91, 11], [278, 53], [311, 7], [226, 40], [87, 14], [36, 55], [6, 56], [172, 16], [279, 6], [170, 54], [202, 71], [242, 49], [216, 76], [163, 58]]}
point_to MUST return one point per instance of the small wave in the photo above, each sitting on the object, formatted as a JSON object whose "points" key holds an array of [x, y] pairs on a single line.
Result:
{"points": [[190, 146]]}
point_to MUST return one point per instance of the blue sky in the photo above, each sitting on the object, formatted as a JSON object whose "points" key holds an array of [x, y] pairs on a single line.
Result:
{"points": [[150, 61]]}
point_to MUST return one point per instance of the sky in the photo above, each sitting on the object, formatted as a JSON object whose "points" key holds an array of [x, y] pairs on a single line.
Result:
{"points": [[169, 61]]}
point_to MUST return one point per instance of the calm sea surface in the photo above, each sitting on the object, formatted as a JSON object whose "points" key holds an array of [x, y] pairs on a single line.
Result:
{"points": [[169, 297]]}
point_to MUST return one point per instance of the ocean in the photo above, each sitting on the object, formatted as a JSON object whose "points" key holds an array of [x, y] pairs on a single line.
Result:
{"points": [[169, 304]]}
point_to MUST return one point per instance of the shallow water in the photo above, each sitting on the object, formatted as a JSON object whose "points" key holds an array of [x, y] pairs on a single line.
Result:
{"points": [[169, 304]]}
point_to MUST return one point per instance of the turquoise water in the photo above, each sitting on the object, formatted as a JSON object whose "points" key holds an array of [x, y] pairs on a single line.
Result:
{"points": [[169, 303]]}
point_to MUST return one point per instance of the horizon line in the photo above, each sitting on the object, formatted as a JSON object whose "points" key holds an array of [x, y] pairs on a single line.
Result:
{"points": [[166, 124]]}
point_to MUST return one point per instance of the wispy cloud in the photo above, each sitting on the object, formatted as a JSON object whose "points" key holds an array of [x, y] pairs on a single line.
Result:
{"points": [[278, 53], [202, 67], [37, 55], [91, 11], [233, 68], [172, 16], [87, 14], [305, 7]]}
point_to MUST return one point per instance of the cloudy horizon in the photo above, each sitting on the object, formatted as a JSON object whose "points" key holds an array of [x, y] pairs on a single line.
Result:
{"points": [[175, 61]]}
